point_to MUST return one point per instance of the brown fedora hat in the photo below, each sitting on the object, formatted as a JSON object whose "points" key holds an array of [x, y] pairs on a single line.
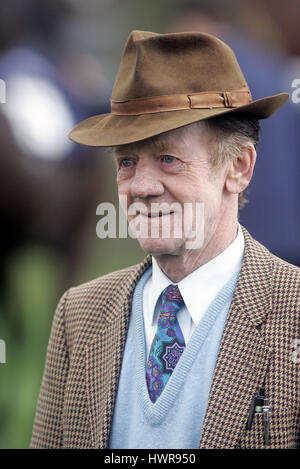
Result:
{"points": [[167, 81]]}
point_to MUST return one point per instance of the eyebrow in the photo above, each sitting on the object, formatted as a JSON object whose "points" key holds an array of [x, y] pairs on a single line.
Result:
{"points": [[154, 144]]}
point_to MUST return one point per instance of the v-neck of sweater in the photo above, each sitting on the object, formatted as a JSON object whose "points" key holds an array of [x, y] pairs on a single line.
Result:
{"points": [[156, 412]]}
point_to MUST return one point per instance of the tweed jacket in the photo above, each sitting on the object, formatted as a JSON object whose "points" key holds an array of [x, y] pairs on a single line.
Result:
{"points": [[260, 344]]}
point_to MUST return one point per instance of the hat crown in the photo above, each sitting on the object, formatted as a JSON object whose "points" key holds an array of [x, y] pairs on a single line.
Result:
{"points": [[167, 81], [163, 64]]}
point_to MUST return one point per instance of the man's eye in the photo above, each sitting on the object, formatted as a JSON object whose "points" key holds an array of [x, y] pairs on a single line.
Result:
{"points": [[125, 163], [168, 158]]}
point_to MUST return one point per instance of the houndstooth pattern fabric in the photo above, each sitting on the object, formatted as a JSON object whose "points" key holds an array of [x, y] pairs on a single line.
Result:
{"points": [[260, 344]]}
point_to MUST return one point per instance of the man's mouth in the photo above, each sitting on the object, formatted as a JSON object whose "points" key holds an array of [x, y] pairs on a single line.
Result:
{"points": [[156, 215]]}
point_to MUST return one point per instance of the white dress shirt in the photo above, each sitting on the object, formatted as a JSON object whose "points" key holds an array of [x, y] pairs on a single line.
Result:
{"points": [[198, 289]]}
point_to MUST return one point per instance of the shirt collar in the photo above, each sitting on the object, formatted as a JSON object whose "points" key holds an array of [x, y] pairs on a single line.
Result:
{"points": [[200, 287]]}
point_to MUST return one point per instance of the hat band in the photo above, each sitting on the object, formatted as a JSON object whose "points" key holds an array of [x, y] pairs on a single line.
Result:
{"points": [[180, 102]]}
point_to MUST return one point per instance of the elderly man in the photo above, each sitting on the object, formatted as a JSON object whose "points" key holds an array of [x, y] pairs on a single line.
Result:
{"points": [[197, 345]]}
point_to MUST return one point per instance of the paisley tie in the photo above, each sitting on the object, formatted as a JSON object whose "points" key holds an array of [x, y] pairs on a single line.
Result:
{"points": [[168, 343]]}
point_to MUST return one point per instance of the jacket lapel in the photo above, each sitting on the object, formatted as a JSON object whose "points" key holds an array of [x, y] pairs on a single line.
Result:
{"points": [[243, 355], [104, 353]]}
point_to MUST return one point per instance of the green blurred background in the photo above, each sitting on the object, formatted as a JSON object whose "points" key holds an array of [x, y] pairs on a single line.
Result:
{"points": [[70, 51]]}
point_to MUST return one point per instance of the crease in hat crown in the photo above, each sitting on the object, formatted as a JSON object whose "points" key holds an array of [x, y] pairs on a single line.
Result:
{"points": [[166, 81], [179, 63]]}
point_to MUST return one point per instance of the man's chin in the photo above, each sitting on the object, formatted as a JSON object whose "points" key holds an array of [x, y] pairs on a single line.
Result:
{"points": [[157, 247]]}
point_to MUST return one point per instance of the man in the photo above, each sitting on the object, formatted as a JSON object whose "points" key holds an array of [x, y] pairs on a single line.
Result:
{"points": [[197, 345]]}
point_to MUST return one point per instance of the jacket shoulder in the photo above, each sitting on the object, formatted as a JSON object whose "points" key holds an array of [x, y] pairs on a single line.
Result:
{"points": [[286, 285], [261, 255], [102, 285], [86, 306], [280, 279], [283, 278]]}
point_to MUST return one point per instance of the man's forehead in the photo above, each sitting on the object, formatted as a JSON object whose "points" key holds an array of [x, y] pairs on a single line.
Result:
{"points": [[161, 143], [150, 144]]}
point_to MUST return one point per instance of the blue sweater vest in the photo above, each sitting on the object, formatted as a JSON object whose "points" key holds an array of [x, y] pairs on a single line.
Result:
{"points": [[175, 420]]}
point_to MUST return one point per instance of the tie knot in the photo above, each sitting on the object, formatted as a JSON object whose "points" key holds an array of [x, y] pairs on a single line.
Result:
{"points": [[170, 304], [172, 296]]}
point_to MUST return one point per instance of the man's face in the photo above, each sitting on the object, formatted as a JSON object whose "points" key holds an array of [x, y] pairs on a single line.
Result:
{"points": [[172, 169]]}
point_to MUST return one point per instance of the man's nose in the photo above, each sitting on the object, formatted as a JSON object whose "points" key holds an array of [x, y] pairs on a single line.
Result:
{"points": [[146, 182]]}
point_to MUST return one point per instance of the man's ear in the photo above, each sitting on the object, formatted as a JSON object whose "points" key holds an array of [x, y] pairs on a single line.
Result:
{"points": [[240, 170]]}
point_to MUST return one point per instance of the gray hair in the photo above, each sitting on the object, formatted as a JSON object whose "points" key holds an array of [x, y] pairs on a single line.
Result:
{"points": [[229, 135]]}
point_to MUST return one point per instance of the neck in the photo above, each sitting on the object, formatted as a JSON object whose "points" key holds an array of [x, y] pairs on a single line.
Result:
{"points": [[177, 267]]}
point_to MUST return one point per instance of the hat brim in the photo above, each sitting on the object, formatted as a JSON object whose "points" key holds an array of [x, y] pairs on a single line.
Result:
{"points": [[108, 130]]}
